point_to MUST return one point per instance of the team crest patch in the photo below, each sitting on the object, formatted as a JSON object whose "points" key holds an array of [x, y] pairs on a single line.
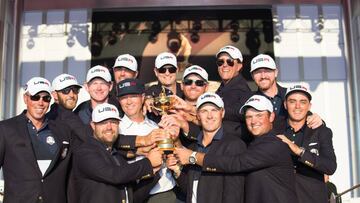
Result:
{"points": [[50, 140]]}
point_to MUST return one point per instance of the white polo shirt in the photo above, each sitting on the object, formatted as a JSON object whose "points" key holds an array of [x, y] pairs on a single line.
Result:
{"points": [[129, 127]]}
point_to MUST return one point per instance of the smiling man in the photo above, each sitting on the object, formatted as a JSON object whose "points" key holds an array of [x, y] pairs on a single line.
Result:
{"points": [[267, 161], [165, 70], [202, 186], [313, 152], [130, 93], [33, 150], [233, 88], [101, 173], [98, 85]]}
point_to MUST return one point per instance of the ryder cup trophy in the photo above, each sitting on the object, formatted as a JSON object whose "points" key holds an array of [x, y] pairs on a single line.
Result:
{"points": [[163, 103]]}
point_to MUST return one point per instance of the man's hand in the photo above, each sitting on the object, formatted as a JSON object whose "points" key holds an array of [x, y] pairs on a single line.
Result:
{"points": [[155, 157], [145, 150], [293, 147], [172, 162], [182, 154], [172, 124], [148, 105], [180, 104], [314, 121], [151, 138]]}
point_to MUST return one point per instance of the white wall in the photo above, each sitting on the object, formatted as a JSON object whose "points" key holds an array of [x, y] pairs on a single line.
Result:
{"points": [[44, 48], [322, 66]]}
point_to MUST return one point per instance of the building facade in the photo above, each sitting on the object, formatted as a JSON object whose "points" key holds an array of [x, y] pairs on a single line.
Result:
{"points": [[316, 42]]}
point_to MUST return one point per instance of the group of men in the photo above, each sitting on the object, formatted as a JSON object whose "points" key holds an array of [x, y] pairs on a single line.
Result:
{"points": [[233, 145]]}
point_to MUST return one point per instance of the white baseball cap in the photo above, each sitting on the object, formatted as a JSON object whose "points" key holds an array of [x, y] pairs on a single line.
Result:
{"points": [[165, 58], [63, 81], [232, 51], [299, 88], [209, 97], [259, 103], [262, 61], [36, 85], [127, 61], [104, 111], [98, 72], [195, 69]]}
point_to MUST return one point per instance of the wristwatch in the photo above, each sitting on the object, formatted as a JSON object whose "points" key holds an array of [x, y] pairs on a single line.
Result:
{"points": [[192, 158]]}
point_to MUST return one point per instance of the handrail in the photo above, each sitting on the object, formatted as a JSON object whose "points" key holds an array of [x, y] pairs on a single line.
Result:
{"points": [[348, 190]]}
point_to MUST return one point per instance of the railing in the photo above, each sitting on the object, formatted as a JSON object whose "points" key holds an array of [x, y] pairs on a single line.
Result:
{"points": [[334, 198]]}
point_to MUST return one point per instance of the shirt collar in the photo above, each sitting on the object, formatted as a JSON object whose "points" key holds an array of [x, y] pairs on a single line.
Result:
{"points": [[43, 126], [126, 122], [218, 135], [280, 92], [288, 127]]}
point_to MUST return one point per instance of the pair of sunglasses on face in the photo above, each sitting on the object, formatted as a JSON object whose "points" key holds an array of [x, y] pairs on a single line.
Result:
{"points": [[67, 90], [199, 83], [37, 97], [220, 62], [171, 69]]}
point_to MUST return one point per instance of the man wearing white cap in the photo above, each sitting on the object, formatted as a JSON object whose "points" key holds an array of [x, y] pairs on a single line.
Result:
{"points": [[98, 85], [34, 150], [194, 83], [125, 67], [101, 173], [65, 91], [267, 161], [205, 187], [233, 88], [264, 72], [165, 71], [313, 153]]}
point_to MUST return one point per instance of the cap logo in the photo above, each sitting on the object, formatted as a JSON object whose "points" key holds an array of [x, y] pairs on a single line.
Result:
{"points": [[298, 87], [41, 82], [97, 70], [127, 84], [106, 109], [126, 59], [228, 48], [67, 78], [253, 99], [260, 60], [195, 68], [208, 96], [166, 57]]}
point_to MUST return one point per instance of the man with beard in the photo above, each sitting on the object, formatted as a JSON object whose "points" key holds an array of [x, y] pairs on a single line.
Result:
{"points": [[101, 174], [65, 90], [264, 72]]}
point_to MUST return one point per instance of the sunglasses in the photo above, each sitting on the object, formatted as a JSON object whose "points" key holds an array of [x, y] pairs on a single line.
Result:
{"points": [[37, 97], [230, 62], [199, 83], [171, 69], [67, 90]]}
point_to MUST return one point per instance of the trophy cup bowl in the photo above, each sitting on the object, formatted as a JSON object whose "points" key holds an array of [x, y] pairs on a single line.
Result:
{"points": [[163, 103], [166, 145]]}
